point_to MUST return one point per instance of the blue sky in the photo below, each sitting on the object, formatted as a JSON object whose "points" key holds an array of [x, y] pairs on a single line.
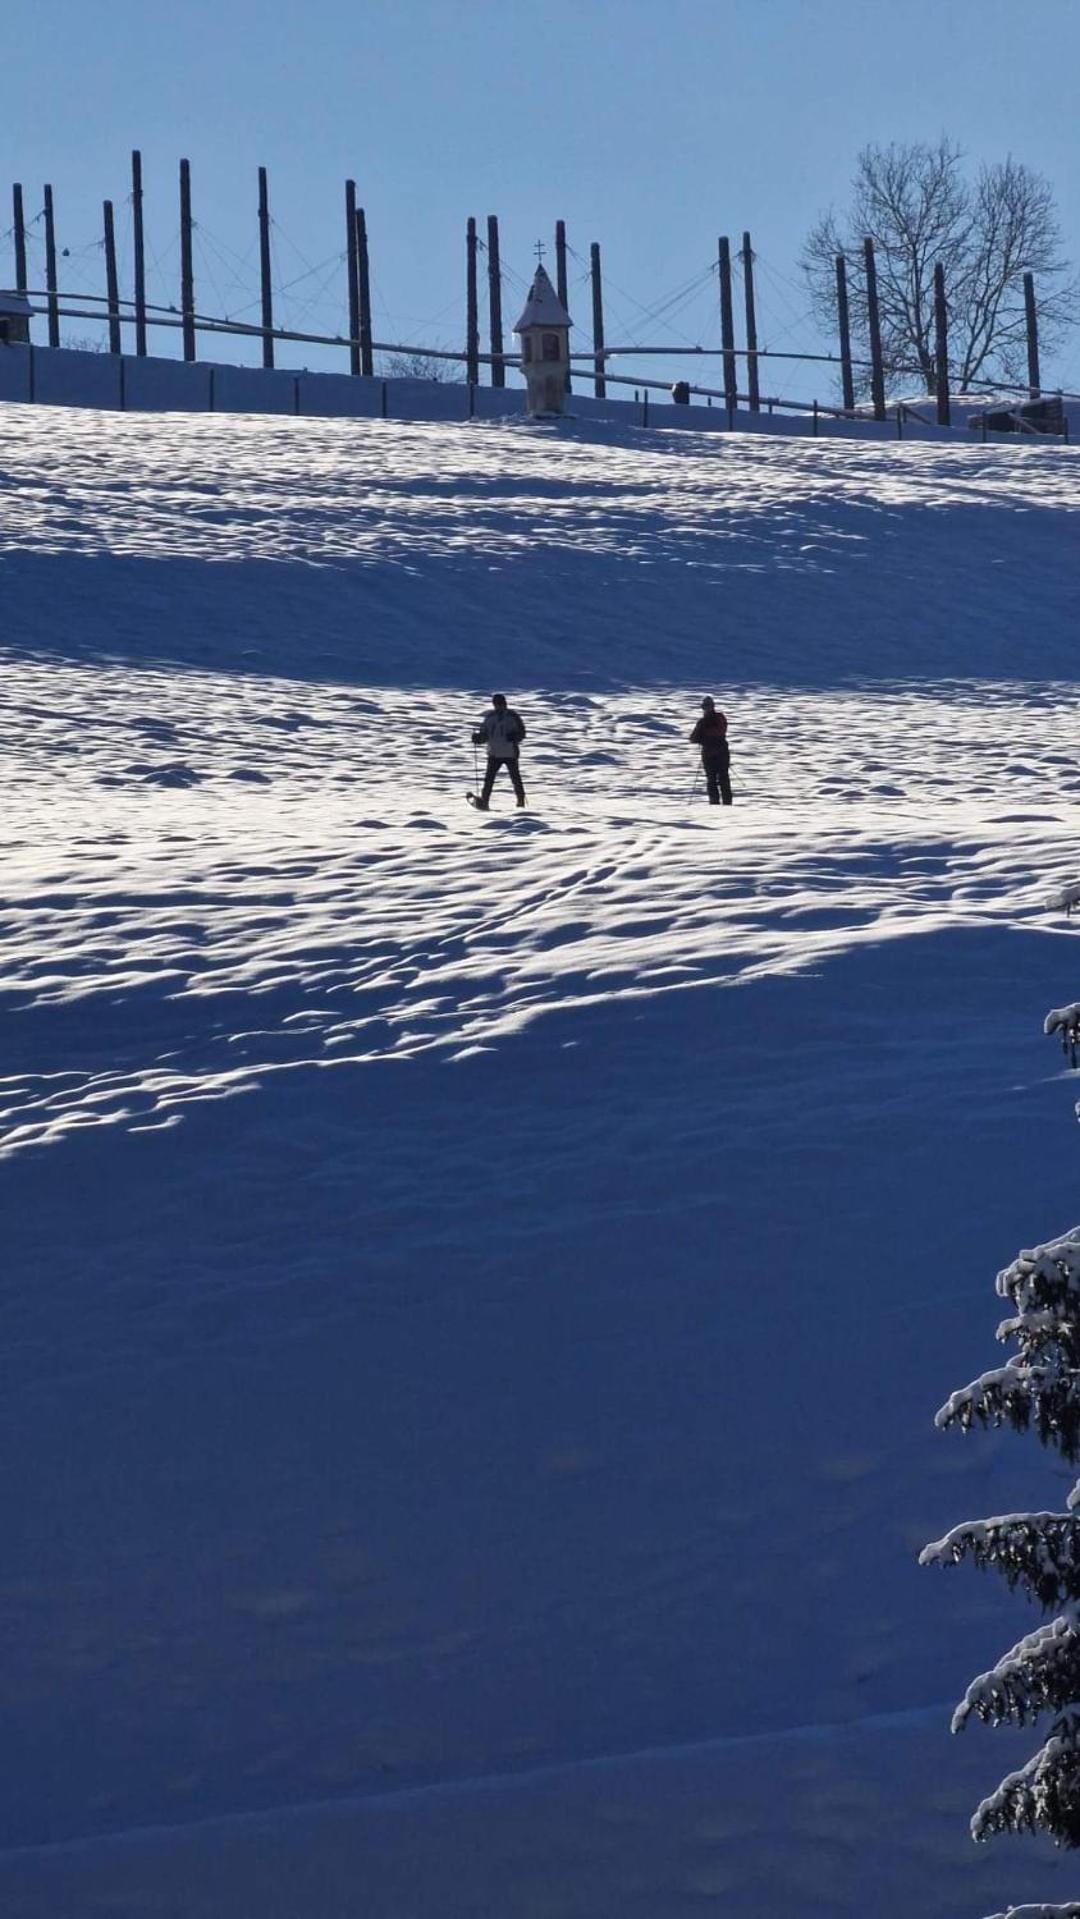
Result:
{"points": [[649, 128]]}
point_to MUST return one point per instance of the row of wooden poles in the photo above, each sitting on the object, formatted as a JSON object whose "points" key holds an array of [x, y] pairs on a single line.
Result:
{"points": [[362, 346], [848, 362], [360, 341]]}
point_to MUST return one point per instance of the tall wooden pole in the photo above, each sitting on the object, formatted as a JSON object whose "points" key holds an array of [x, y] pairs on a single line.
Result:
{"points": [[50, 269], [560, 276], [846, 373], [941, 346], [599, 382], [19, 226], [363, 294], [112, 284], [752, 387], [140, 253], [187, 270], [472, 315], [1032, 319], [498, 368], [264, 271], [354, 284], [877, 370], [727, 328]]}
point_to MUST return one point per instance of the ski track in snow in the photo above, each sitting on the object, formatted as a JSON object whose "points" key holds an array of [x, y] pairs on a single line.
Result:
{"points": [[284, 853]]}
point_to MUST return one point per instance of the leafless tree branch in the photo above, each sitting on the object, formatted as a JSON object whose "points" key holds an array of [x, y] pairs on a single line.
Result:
{"points": [[916, 205]]}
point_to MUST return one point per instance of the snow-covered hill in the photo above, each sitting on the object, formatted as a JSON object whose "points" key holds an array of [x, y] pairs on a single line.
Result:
{"points": [[478, 1288]]}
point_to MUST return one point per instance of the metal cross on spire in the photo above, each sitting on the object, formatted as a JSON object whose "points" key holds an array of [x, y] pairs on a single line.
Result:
{"points": [[539, 252]]}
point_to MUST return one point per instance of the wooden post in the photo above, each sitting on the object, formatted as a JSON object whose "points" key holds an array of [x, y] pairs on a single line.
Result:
{"points": [[877, 370], [498, 370], [727, 328], [112, 285], [187, 271], [846, 373], [19, 229], [363, 294], [472, 316], [140, 253], [264, 271], [751, 326], [560, 277], [941, 346], [353, 276], [1032, 320], [50, 269], [599, 382]]}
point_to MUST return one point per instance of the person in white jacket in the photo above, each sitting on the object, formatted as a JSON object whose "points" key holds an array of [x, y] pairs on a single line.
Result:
{"points": [[501, 730]]}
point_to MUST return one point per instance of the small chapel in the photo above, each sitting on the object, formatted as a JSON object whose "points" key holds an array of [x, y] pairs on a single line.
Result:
{"points": [[544, 330]]}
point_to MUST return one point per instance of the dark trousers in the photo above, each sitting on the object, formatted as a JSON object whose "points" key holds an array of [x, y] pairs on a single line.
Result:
{"points": [[490, 771], [717, 780]]}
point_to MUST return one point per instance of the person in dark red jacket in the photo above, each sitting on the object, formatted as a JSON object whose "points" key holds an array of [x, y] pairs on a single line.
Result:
{"points": [[710, 734]]}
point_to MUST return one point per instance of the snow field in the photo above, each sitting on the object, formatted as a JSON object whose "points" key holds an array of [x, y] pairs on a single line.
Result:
{"points": [[478, 1289], [222, 837]]}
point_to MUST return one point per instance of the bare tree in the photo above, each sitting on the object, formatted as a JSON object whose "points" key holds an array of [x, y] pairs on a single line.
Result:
{"points": [[918, 207], [422, 366]]}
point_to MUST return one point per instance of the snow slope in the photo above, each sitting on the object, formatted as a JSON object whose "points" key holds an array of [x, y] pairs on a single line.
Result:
{"points": [[477, 1289]]}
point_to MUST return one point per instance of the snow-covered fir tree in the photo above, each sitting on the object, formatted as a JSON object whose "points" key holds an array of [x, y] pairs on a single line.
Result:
{"points": [[1038, 1387]]}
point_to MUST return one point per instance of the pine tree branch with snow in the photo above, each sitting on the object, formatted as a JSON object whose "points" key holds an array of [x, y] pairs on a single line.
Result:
{"points": [[1046, 1278], [1038, 1387], [1021, 1397], [1040, 1673], [1065, 1020], [1070, 1911], [1044, 1796], [1040, 1551]]}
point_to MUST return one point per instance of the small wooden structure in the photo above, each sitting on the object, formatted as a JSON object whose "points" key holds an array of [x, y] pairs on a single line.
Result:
{"points": [[1032, 416], [15, 311], [544, 330]]}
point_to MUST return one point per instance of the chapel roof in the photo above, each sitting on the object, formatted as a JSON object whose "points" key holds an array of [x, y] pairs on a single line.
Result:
{"points": [[543, 306]]}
